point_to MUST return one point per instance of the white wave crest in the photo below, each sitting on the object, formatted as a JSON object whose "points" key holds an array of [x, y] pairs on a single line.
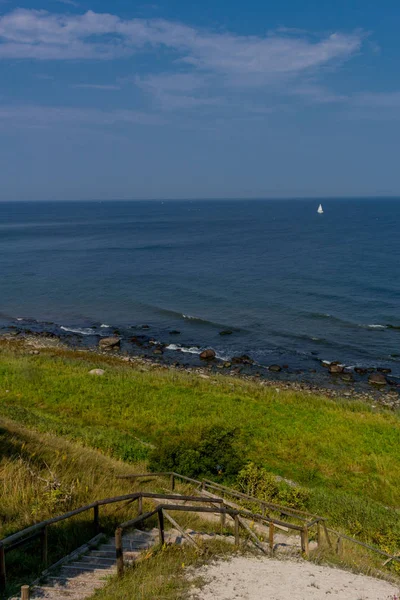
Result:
{"points": [[377, 326], [191, 350], [104, 326], [79, 330]]}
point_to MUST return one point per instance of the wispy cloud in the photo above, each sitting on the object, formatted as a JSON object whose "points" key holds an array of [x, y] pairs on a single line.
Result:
{"points": [[204, 69], [68, 2], [48, 115], [41, 35], [95, 86]]}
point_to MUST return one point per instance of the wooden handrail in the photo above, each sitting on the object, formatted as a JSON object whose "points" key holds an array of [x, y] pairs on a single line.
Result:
{"points": [[28, 534], [364, 545]]}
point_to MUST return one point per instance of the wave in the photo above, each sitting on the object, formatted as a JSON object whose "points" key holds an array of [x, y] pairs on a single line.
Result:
{"points": [[79, 330], [346, 323], [189, 350], [193, 350], [192, 318], [104, 326]]}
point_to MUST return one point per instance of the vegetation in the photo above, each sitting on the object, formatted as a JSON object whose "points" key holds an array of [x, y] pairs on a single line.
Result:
{"points": [[42, 476], [207, 452], [163, 573], [342, 454]]}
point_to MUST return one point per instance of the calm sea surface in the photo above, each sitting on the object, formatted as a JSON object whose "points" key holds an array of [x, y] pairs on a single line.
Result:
{"points": [[292, 285]]}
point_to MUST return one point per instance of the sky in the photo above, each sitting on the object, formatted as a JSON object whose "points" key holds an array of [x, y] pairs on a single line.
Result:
{"points": [[213, 99]]}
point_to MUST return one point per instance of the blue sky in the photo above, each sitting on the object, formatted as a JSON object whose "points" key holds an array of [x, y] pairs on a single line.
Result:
{"points": [[211, 99]]}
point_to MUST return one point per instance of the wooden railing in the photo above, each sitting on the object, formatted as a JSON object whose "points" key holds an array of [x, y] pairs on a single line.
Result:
{"points": [[40, 530], [316, 521], [218, 505]]}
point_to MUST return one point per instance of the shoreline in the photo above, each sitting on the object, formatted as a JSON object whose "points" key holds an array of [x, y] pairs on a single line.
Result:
{"points": [[334, 388]]}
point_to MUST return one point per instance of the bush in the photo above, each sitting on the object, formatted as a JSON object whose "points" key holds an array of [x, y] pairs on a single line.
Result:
{"points": [[211, 452], [258, 482]]}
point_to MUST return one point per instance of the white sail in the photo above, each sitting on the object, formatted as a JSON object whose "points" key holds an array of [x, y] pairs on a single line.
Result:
{"points": [[320, 209]]}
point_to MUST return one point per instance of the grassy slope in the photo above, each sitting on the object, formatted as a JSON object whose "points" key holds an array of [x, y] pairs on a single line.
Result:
{"points": [[346, 453]]}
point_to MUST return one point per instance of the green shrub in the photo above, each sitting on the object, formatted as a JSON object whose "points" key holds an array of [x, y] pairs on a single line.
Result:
{"points": [[258, 482], [211, 452]]}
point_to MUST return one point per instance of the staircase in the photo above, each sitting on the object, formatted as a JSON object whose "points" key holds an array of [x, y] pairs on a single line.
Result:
{"points": [[80, 578]]}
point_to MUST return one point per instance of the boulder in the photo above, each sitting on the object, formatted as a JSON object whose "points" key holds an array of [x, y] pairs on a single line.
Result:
{"points": [[227, 365], [346, 376], [158, 350], [109, 343], [208, 354], [360, 371], [384, 370], [335, 368], [377, 379], [242, 360], [98, 372], [275, 368], [226, 332]]}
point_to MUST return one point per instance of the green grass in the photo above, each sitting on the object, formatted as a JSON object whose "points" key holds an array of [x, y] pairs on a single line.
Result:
{"points": [[344, 452]]}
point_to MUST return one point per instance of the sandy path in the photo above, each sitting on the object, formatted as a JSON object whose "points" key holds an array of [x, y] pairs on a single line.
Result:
{"points": [[266, 579]]}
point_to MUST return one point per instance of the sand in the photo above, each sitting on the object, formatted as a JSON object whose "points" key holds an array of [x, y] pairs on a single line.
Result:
{"points": [[266, 579]]}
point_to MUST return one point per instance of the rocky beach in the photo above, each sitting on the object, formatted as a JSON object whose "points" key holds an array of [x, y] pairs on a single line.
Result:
{"points": [[138, 346]]}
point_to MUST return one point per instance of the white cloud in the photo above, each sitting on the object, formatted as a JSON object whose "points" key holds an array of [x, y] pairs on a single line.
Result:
{"points": [[47, 36]]}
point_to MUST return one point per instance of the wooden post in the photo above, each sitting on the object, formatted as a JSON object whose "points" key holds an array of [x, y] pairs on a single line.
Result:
{"points": [[161, 526], [319, 534], [328, 539], [223, 520], [43, 537], [3, 579], [25, 592], [339, 546], [237, 537], [119, 552], [172, 482], [263, 509], [271, 537], [96, 521], [140, 506], [304, 542]]}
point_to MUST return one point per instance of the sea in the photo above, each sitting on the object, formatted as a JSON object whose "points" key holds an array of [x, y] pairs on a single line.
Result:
{"points": [[291, 286]]}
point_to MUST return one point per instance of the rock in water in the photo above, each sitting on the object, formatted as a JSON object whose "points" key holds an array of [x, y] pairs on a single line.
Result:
{"points": [[242, 360], [274, 368], [208, 354], [335, 368], [174, 332], [226, 332], [96, 372], [360, 371], [109, 343], [377, 379]]}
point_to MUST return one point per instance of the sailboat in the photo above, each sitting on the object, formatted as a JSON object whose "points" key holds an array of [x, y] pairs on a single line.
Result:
{"points": [[320, 209]]}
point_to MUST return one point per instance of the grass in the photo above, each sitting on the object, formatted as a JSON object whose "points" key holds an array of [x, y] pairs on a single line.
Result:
{"points": [[41, 476], [344, 453], [163, 573]]}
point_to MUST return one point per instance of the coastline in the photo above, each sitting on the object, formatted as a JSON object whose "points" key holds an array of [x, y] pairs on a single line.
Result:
{"points": [[154, 355]]}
